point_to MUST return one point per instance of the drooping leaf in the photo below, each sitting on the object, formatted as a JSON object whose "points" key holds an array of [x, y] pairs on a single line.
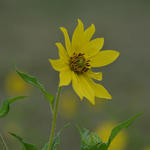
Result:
{"points": [[33, 81], [89, 141], [121, 126], [56, 140], [26, 146], [4, 108]]}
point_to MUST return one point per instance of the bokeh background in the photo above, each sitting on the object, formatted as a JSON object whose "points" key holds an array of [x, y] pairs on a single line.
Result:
{"points": [[28, 32]]}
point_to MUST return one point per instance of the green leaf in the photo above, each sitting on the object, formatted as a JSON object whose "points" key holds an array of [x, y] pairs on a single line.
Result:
{"points": [[26, 146], [121, 126], [103, 146], [4, 109], [56, 139], [45, 147], [33, 81], [89, 141]]}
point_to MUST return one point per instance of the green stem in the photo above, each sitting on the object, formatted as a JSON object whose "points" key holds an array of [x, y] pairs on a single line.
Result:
{"points": [[54, 121], [3, 143]]}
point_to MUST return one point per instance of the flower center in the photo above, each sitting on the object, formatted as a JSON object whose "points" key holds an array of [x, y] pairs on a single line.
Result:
{"points": [[79, 64]]}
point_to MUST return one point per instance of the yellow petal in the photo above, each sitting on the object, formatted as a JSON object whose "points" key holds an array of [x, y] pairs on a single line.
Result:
{"points": [[62, 52], [65, 77], [89, 32], [58, 64], [76, 85], [93, 47], [67, 40], [104, 58], [78, 36], [100, 91], [86, 89], [95, 75]]}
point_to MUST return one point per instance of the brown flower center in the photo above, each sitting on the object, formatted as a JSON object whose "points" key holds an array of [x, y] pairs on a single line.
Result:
{"points": [[79, 64]]}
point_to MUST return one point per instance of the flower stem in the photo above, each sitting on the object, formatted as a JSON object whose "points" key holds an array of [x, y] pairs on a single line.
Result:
{"points": [[3, 143], [54, 121]]}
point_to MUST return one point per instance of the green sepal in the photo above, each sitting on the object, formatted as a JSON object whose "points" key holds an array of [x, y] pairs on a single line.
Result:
{"points": [[56, 140], [4, 109], [103, 146], [89, 140], [120, 127], [26, 146], [33, 81]]}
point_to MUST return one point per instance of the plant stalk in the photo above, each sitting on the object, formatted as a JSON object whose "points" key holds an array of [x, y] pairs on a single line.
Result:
{"points": [[54, 120]]}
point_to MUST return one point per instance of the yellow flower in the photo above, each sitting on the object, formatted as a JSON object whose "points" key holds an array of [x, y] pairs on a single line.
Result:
{"points": [[120, 141], [68, 107], [14, 85], [77, 59]]}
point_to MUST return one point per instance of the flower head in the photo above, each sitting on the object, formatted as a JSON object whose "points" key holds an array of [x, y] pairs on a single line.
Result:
{"points": [[77, 59]]}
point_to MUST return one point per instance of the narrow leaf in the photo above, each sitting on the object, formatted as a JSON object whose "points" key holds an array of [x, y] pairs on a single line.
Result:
{"points": [[4, 108], [26, 146], [13, 99], [56, 138], [121, 126], [33, 81]]}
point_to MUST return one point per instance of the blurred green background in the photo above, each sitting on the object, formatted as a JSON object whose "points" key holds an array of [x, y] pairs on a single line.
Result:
{"points": [[28, 32]]}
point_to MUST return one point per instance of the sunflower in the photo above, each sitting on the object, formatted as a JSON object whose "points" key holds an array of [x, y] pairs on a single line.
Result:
{"points": [[77, 59]]}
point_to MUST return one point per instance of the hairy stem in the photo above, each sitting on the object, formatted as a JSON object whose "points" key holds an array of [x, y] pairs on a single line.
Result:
{"points": [[54, 121]]}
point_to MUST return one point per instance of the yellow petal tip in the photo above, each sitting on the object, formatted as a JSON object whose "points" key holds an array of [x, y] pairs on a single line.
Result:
{"points": [[80, 22], [117, 54], [109, 97], [57, 44], [62, 29], [93, 26]]}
